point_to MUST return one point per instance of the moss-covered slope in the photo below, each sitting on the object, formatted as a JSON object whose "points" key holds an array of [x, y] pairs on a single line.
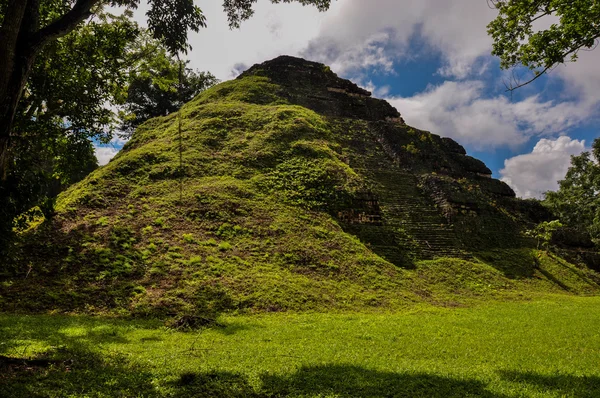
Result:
{"points": [[288, 188]]}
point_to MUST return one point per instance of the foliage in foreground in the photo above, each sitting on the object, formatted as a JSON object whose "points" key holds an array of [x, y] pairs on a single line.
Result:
{"points": [[65, 106], [543, 233], [518, 41]]}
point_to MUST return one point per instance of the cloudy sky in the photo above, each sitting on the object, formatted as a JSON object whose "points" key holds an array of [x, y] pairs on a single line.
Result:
{"points": [[430, 59]]}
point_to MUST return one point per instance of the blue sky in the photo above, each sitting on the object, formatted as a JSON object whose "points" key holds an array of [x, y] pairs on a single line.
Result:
{"points": [[430, 59]]}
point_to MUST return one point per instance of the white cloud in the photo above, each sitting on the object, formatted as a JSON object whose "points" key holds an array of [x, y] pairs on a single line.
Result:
{"points": [[105, 153], [532, 174], [457, 29], [274, 30], [372, 52], [459, 110], [582, 78], [352, 34]]}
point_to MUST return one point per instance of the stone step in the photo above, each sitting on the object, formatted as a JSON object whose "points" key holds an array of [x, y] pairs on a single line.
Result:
{"points": [[404, 206]]}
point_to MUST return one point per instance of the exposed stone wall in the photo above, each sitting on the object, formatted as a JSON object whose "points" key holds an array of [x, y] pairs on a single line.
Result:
{"points": [[450, 196], [315, 86], [345, 91], [364, 209]]}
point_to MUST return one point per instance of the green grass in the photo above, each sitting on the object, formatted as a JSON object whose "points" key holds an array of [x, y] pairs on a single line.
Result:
{"points": [[549, 347]]}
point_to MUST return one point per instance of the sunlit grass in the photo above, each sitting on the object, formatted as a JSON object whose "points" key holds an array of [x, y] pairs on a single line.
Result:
{"points": [[546, 348]]}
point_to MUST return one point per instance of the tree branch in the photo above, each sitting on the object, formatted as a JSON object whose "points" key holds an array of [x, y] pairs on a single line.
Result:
{"points": [[65, 24], [513, 88], [544, 14], [547, 68], [32, 109]]}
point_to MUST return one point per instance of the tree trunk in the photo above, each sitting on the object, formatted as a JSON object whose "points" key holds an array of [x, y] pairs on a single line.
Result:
{"points": [[9, 101], [16, 59], [9, 35], [8, 109]]}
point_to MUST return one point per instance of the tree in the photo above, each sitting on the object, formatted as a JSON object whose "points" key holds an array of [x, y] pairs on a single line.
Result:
{"points": [[577, 201], [29, 25], [65, 102], [69, 97], [543, 233], [154, 86], [38, 174], [76, 77], [518, 42]]}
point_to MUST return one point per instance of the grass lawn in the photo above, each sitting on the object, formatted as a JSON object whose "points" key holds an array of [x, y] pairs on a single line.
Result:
{"points": [[549, 347]]}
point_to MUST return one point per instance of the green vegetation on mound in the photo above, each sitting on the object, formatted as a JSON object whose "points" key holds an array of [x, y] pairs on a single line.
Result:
{"points": [[276, 207], [546, 348], [207, 277]]}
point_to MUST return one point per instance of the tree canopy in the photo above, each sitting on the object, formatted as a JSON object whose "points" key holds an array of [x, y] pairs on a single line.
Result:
{"points": [[574, 25], [577, 201], [70, 96], [158, 84], [66, 101]]}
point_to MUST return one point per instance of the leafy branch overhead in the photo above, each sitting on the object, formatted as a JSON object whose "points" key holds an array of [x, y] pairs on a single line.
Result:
{"points": [[241, 10], [521, 37]]}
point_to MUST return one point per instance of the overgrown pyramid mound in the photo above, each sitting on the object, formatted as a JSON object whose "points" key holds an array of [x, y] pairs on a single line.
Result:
{"points": [[286, 188]]}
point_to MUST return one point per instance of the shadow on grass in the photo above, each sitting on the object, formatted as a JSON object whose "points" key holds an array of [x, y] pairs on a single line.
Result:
{"points": [[85, 373], [231, 328], [77, 373], [331, 380], [354, 381], [564, 385], [554, 280], [73, 362], [514, 264], [589, 278], [82, 333]]}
